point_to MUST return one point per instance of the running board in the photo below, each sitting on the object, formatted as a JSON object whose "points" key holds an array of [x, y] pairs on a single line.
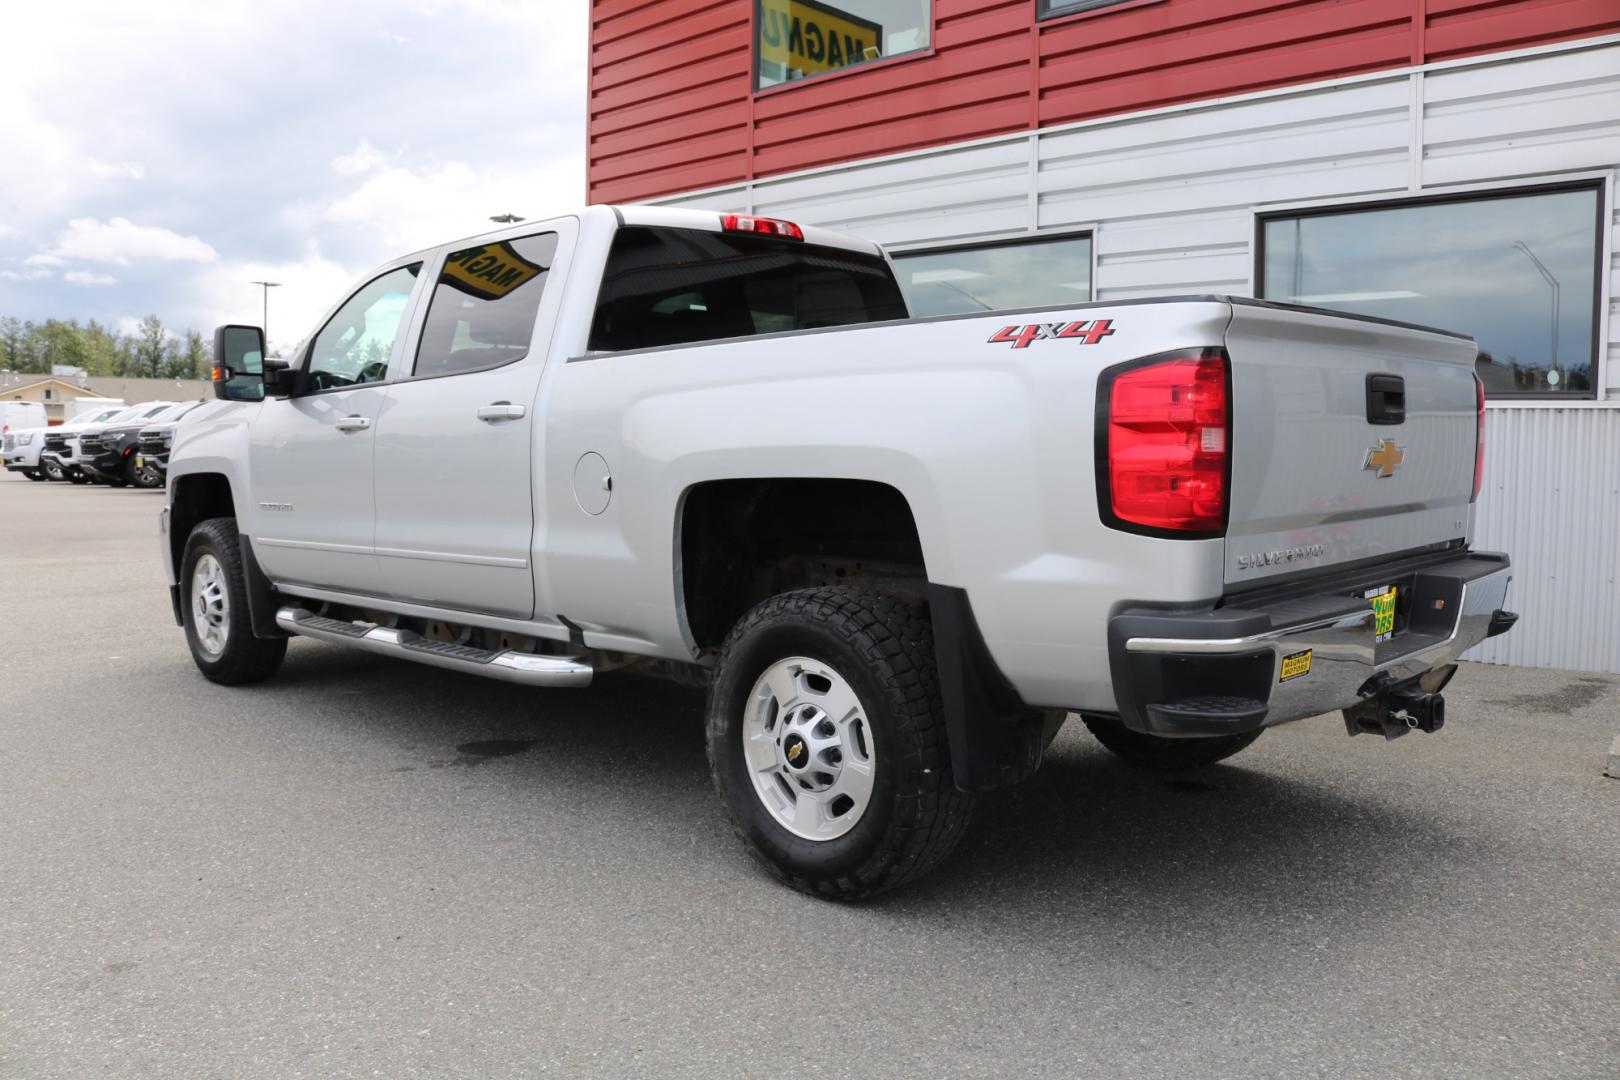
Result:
{"points": [[529, 669]]}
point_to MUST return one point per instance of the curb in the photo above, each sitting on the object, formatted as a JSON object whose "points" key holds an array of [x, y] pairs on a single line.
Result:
{"points": [[1614, 759]]}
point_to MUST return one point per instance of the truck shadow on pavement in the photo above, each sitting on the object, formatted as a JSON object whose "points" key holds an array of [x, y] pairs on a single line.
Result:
{"points": [[1086, 837]]}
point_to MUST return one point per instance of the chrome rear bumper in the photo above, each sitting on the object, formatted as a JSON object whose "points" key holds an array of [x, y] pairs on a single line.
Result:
{"points": [[1235, 668]]}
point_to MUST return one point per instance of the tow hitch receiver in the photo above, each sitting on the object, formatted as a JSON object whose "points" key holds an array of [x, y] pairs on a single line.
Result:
{"points": [[1395, 712]]}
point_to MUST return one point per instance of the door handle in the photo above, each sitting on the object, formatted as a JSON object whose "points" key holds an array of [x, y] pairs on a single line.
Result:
{"points": [[501, 410], [352, 423]]}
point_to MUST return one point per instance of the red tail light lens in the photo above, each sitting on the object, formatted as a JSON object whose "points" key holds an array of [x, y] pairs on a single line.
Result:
{"points": [[1165, 432], [763, 225], [1479, 439]]}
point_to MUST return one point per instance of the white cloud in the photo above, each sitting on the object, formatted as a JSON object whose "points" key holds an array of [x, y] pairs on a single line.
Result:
{"points": [[408, 209], [115, 170], [88, 278], [39, 274], [225, 293], [364, 159], [120, 240], [44, 259]]}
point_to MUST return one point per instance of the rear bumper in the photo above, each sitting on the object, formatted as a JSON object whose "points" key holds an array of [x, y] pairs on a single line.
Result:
{"points": [[1237, 667]]}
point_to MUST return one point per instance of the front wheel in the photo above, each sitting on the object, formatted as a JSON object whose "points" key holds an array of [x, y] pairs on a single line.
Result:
{"points": [[52, 471], [1163, 754], [826, 741], [34, 474], [213, 601]]}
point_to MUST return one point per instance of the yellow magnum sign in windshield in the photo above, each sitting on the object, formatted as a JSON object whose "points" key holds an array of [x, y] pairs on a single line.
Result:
{"points": [[798, 38], [488, 272]]}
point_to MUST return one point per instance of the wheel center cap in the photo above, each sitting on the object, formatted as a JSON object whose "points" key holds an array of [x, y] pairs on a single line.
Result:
{"points": [[797, 753]]}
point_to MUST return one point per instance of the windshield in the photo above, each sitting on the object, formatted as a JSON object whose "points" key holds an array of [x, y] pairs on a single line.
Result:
{"points": [[175, 412], [133, 413], [676, 286]]}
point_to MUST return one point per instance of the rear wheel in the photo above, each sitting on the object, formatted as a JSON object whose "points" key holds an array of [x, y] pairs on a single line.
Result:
{"points": [[1164, 754], [826, 741], [213, 602]]}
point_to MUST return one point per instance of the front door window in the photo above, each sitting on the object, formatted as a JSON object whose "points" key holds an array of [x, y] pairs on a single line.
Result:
{"points": [[355, 344]]}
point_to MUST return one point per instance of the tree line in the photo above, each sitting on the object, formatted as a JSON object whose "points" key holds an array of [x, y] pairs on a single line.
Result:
{"points": [[151, 352]]}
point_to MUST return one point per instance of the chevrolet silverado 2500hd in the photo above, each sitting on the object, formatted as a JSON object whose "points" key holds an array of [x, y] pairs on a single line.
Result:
{"points": [[899, 551]]}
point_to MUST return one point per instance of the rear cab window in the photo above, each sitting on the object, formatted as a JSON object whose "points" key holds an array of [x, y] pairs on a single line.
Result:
{"points": [[669, 286]]}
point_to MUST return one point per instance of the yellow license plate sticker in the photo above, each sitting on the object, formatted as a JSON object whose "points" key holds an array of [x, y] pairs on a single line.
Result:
{"points": [[1294, 665], [1383, 605]]}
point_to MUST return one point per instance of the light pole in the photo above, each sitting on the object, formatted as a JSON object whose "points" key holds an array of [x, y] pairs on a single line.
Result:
{"points": [[1552, 281], [266, 287], [506, 219]]}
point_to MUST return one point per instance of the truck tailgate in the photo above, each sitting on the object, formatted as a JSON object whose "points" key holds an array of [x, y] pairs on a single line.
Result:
{"points": [[1316, 482]]}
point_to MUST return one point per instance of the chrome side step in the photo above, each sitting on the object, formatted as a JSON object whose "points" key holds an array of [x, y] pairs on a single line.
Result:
{"points": [[529, 669]]}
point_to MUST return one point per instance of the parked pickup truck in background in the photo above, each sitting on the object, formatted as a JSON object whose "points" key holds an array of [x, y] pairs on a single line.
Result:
{"points": [[59, 455], [155, 440], [110, 454], [899, 551]]}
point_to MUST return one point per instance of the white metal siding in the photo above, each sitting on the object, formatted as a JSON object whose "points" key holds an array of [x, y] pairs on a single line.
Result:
{"points": [[1552, 500], [1172, 198]]}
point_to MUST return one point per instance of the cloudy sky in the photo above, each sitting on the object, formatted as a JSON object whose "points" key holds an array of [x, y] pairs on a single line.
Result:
{"points": [[159, 156]]}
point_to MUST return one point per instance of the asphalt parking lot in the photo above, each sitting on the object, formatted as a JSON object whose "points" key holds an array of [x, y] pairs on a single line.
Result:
{"points": [[367, 868]]}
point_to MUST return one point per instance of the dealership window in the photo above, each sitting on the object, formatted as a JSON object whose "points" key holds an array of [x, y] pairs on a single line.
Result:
{"points": [[1517, 270], [995, 277], [1048, 9], [800, 39]]}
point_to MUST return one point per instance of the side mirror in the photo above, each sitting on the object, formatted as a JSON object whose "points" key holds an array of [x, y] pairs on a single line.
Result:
{"points": [[280, 378], [239, 363]]}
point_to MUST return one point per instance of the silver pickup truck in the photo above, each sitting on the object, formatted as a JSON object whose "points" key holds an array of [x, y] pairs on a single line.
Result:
{"points": [[898, 551]]}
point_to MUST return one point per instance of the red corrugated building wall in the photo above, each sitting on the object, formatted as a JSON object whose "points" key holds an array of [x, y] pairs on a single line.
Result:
{"points": [[672, 107]]}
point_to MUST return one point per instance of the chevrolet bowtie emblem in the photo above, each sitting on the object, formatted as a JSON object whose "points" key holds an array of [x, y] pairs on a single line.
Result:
{"points": [[1384, 459], [794, 751]]}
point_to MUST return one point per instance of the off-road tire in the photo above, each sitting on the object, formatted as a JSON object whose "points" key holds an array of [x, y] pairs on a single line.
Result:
{"points": [[244, 658], [1161, 754], [882, 646]]}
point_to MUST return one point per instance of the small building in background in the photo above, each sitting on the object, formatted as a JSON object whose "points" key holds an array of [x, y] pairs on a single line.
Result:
{"points": [[54, 391]]}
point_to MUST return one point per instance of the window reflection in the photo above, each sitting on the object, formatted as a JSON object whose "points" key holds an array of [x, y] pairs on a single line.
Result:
{"points": [[997, 277], [799, 39], [1517, 272]]}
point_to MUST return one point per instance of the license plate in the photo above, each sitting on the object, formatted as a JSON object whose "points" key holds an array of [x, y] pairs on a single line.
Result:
{"points": [[1383, 605]]}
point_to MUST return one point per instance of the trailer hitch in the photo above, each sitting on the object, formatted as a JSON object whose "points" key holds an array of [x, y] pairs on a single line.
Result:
{"points": [[1395, 712]]}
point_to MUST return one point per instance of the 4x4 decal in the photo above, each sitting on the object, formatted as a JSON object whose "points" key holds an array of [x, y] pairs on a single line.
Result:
{"points": [[1087, 333]]}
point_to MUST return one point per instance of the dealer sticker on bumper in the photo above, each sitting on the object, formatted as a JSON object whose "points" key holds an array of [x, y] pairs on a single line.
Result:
{"points": [[1383, 605], [1294, 665]]}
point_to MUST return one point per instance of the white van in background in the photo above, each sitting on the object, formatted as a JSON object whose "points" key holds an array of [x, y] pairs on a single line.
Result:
{"points": [[18, 415]]}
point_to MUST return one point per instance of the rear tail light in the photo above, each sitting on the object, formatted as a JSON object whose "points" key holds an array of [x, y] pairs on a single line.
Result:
{"points": [[763, 225], [1479, 438], [1163, 443]]}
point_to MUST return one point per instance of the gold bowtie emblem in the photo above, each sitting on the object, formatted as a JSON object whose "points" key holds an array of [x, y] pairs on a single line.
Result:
{"points": [[1384, 459], [795, 750]]}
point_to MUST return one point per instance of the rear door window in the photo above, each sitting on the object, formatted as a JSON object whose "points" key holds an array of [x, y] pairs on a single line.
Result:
{"points": [[677, 286], [482, 311]]}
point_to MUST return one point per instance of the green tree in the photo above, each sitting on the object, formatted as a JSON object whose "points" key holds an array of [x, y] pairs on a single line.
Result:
{"points": [[148, 350], [10, 342], [197, 363]]}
